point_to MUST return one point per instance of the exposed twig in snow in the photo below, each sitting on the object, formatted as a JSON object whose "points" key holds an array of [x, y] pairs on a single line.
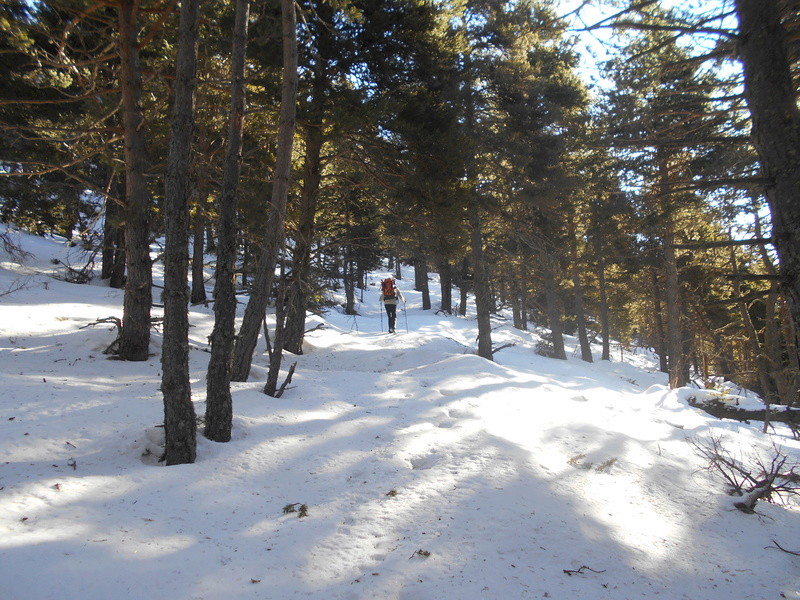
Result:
{"points": [[580, 571], [782, 549]]}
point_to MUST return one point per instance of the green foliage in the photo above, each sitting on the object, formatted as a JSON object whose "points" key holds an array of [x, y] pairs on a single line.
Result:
{"points": [[424, 111]]}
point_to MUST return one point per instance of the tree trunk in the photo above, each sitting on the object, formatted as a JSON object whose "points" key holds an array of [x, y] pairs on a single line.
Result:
{"points": [[420, 272], [211, 239], [294, 331], [580, 317], [477, 257], [524, 290], [117, 279], [134, 342], [762, 366], [276, 356], [793, 362], [604, 316], [113, 255], [463, 287], [247, 260], [516, 305], [772, 101], [219, 405], [785, 387], [300, 284], [446, 286], [724, 359], [577, 287], [677, 360], [421, 282], [198, 295], [180, 426], [257, 305], [481, 282], [678, 367], [658, 321], [553, 307], [349, 279]]}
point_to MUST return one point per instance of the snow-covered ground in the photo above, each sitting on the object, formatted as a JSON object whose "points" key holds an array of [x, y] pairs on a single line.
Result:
{"points": [[428, 473]]}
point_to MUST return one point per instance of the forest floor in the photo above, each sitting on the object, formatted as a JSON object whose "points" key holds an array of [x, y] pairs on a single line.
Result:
{"points": [[394, 467]]}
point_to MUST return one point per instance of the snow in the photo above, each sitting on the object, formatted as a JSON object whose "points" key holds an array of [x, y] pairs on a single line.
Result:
{"points": [[428, 473]]}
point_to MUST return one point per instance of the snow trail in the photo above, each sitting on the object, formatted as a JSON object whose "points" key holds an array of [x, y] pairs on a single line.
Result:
{"points": [[427, 472]]}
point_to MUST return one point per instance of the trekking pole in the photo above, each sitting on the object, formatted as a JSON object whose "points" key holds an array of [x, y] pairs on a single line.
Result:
{"points": [[381, 311], [405, 314]]}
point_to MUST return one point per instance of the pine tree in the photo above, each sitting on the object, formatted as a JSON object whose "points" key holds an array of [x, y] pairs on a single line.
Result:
{"points": [[134, 340], [219, 404], [179, 417], [772, 100], [660, 105], [274, 232]]}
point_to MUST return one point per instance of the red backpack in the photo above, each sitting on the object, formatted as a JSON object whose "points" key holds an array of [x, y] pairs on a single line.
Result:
{"points": [[387, 288]]}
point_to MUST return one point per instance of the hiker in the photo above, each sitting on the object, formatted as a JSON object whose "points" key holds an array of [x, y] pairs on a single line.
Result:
{"points": [[389, 296]]}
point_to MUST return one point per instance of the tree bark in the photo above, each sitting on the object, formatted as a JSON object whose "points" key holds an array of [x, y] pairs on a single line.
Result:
{"points": [[463, 287], [677, 360], [658, 322], [722, 410], [553, 307], [349, 279], [523, 288], [516, 305], [678, 366], [180, 425], [785, 387], [134, 342], [421, 281], [276, 356], [604, 313], [198, 295], [772, 101], [483, 296], [580, 318], [257, 305], [446, 286], [294, 331], [762, 366], [219, 405], [577, 291], [113, 255]]}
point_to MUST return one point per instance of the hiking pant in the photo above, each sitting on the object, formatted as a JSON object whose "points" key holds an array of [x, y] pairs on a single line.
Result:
{"points": [[391, 313]]}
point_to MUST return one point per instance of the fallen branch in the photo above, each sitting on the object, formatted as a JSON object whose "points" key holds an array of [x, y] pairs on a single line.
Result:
{"points": [[770, 478], [782, 549], [113, 347], [286, 382], [115, 320], [724, 411], [318, 326], [16, 286], [13, 249], [580, 571], [79, 276], [503, 347]]}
